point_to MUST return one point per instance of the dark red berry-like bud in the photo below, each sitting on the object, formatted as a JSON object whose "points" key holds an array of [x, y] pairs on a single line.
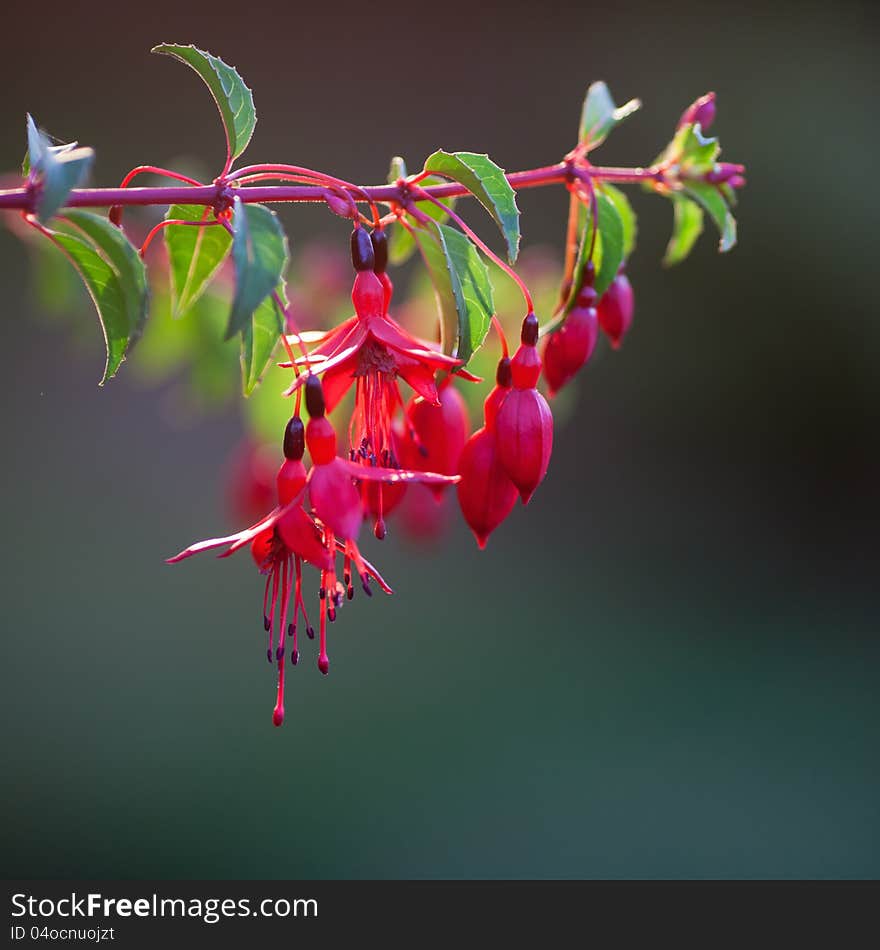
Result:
{"points": [[569, 348], [486, 494], [503, 376], [362, 257], [379, 240], [702, 111], [615, 309], [315, 397], [529, 333], [294, 439]]}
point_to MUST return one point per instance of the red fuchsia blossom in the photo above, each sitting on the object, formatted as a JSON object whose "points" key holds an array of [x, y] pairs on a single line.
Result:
{"points": [[486, 494], [571, 346], [524, 428], [615, 309], [289, 536], [372, 350], [280, 543]]}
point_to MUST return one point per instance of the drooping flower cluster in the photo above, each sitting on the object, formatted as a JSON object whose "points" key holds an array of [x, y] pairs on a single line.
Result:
{"points": [[424, 442]]}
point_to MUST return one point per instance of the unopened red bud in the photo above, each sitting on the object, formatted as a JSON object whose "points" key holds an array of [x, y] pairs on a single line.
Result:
{"points": [[439, 434], [338, 204], [362, 257], [615, 309], [115, 215], [486, 494], [723, 172], [700, 111], [524, 432], [569, 348]]}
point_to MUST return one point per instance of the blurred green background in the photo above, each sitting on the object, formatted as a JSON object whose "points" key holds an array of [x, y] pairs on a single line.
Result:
{"points": [[666, 667]]}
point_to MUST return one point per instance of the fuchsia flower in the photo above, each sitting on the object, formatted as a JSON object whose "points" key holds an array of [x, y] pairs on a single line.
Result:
{"points": [[289, 535], [373, 351]]}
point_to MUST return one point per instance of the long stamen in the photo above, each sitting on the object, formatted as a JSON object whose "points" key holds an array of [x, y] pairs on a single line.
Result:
{"points": [[278, 711], [297, 600], [271, 631]]}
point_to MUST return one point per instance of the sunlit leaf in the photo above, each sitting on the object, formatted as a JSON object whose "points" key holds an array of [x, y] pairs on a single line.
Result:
{"points": [[234, 100], [686, 228], [600, 115], [195, 254], [488, 183], [259, 338]]}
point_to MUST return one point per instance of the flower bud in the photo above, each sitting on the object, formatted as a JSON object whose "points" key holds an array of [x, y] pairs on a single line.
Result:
{"points": [[615, 309], [701, 110], [440, 433], [569, 348], [486, 494], [524, 425], [524, 431]]}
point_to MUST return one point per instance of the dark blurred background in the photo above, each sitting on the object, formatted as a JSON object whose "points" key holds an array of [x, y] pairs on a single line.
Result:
{"points": [[667, 667]]}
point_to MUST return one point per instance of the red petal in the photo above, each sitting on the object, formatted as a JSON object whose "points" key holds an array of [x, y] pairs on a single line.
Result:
{"points": [[335, 499], [357, 338], [392, 334], [375, 473], [235, 540], [303, 537]]}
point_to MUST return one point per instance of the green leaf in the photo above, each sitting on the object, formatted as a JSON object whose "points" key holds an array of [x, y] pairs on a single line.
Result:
{"points": [[195, 254], [488, 184], [686, 228], [108, 290], [627, 216], [461, 285], [60, 170], [259, 338], [611, 238], [476, 292], [234, 100], [711, 199], [691, 151], [125, 261], [608, 253], [401, 246], [259, 252], [600, 115]]}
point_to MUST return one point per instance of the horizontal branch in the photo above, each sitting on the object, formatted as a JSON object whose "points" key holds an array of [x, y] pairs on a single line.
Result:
{"points": [[22, 199]]}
